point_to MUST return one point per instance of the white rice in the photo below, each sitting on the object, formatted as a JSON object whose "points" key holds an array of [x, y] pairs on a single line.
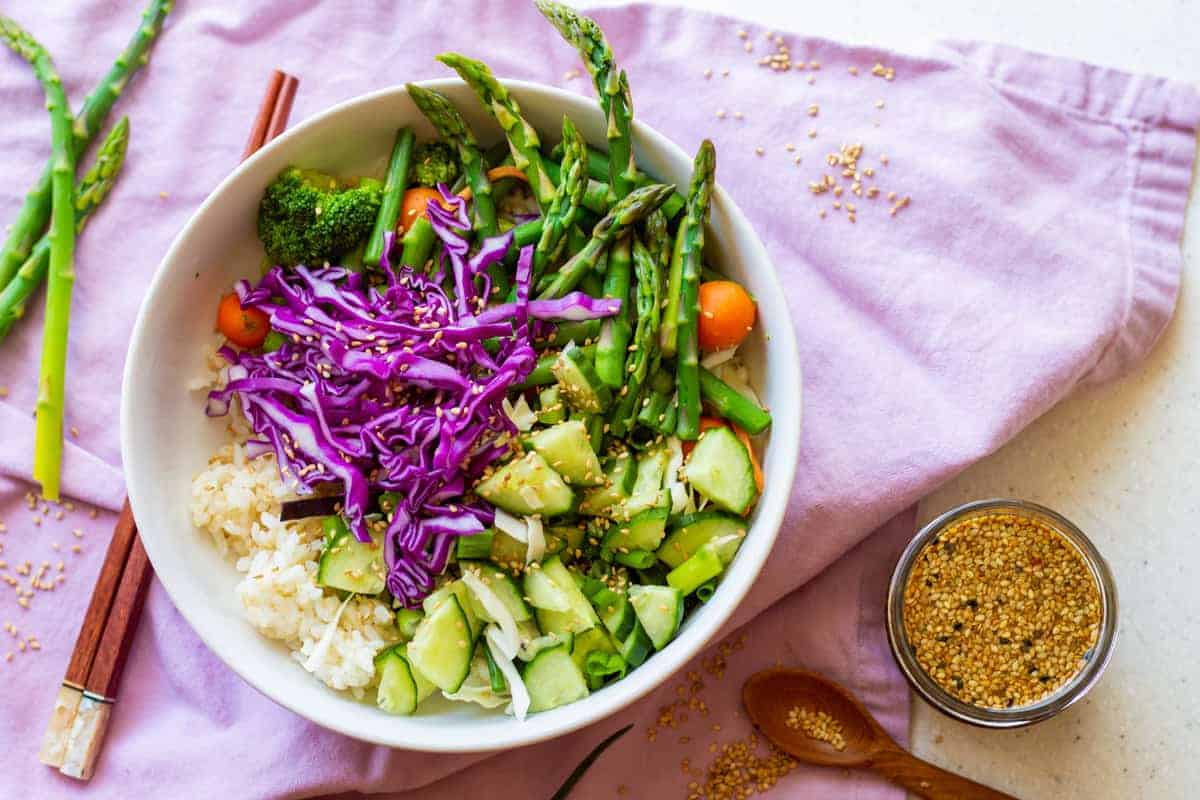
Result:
{"points": [[237, 501]]}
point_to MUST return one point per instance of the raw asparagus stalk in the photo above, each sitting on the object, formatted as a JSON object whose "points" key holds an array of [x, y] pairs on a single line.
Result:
{"points": [[598, 167], [31, 219], [616, 330], [687, 364], [417, 243], [559, 214], [47, 453], [450, 125], [623, 215], [393, 194], [89, 193], [596, 197], [522, 137], [732, 405], [668, 333], [611, 85], [644, 352]]}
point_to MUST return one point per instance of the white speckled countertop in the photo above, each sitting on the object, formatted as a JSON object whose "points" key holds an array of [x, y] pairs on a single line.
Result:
{"points": [[1122, 461]]}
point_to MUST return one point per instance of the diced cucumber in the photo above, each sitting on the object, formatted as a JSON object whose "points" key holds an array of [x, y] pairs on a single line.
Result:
{"points": [[615, 612], [660, 611], [531, 648], [477, 545], [648, 491], [544, 592], [720, 469], [597, 657], [507, 552], [638, 559], [568, 450], [564, 539], [578, 383], [697, 570], [643, 532], [458, 590], [619, 477], [591, 640], [553, 679], [495, 676], [351, 565], [636, 647], [693, 530], [407, 620], [401, 687], [442, 647], [504, 587], [527, 485], [552, 408], [568, 582]]}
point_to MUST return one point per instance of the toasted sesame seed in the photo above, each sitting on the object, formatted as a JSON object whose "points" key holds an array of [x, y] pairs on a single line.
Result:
{"points": [[708, 73], [759, 151], [852, 70]]}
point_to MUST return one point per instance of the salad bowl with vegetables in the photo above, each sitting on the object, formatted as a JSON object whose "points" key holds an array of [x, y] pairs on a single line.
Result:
{"points": [[499, 420]]}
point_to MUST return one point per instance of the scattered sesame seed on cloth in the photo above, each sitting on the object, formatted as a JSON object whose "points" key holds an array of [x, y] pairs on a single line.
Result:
{"points": [[888, 290]]}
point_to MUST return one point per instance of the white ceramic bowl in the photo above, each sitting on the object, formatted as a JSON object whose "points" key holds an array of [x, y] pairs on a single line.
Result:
{"points": [[166, 439]]}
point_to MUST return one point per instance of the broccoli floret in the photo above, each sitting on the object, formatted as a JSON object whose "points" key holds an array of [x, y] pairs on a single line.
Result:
{"points": [[307, 217], [434, 163]]}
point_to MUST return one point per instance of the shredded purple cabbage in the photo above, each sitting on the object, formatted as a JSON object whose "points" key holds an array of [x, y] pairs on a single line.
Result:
{"points": [[390, 387]]}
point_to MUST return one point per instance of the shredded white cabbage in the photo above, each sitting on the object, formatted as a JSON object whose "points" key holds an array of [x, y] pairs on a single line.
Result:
{"points": [[536, 539], [734, 373], [477, 688], [510, 639], [520, 413], [512, 525], [681, 498], [519, 706], [318, 653], [718, 357]]}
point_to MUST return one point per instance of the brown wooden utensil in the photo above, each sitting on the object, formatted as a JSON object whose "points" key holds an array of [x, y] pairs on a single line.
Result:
{"points": [[771, 694]]}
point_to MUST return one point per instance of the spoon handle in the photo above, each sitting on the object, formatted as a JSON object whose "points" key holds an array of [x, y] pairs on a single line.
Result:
{"points": [[933, 783]]}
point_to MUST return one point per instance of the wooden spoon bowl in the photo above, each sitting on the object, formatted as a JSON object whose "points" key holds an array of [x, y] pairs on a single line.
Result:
{"points": [[770, 695]]}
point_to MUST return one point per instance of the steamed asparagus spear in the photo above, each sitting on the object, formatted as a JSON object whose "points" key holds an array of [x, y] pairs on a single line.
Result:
{"points": [[47, 453], [623, 215], [732, 406], [615, 331], [559, 215], [597, 168], [89, 193], [522, 138], [644, 352], [687, 376], [393, 194], [611, 85], [450, 125], [31, 219]]}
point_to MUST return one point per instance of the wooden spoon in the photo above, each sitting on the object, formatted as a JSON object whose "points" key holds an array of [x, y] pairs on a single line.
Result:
{"points": [[769, 695]]}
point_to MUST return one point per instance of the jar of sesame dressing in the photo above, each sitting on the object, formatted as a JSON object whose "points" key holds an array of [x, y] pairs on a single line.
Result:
{"points": [[1001, 613]]}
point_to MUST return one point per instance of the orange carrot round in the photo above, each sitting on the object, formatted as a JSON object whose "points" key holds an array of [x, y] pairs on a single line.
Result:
{"points": [[413, 205]]}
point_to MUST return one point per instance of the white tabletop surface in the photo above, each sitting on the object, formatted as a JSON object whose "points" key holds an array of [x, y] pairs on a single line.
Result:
{"points": [[1121, 460]]}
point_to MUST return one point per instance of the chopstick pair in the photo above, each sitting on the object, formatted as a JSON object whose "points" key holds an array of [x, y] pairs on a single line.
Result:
{"points": [[83, 706]]}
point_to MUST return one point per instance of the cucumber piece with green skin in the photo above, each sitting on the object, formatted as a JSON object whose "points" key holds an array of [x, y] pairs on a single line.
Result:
{"points": [[552, 410], [619, 477], [458, 590], [565, 579], [544, 593], [351, 565], [659, 609], [531, 648], [507, 552], [475, 546], [495, 676], [692, 531], [567, 539], [636, 648], [648, 491], [526, 486], [442, 646], [568, 450], [638, 559], [644, 531], [697, 570], [407, 620], [720, 469], [503, 586], [553, 679], [401, 687], [578, 383], [615, 612], [590, 641]]}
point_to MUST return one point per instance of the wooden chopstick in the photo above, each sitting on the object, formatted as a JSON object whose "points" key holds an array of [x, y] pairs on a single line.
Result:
{"points": [[84, 704], [100, 693], [54, 742]]}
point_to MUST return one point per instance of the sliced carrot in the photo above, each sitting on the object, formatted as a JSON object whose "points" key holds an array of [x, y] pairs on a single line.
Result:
{"points": [[726, 314], [413, 205], [497, 174], [245, 327]]}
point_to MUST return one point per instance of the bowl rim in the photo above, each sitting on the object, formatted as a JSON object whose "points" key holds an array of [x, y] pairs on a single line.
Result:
{"points": [[1052, 704], [785, 438]]}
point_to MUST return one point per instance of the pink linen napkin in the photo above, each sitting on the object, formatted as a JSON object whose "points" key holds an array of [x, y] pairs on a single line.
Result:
{"points": [[1038, 249]]}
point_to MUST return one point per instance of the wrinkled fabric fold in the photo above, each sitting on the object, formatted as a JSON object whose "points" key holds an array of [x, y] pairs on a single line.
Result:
{"points": [[1039, 250]]}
